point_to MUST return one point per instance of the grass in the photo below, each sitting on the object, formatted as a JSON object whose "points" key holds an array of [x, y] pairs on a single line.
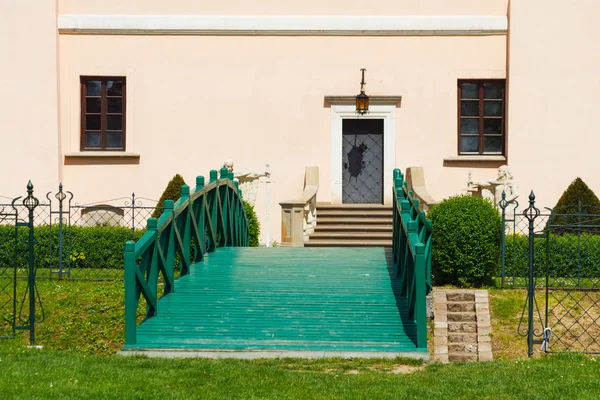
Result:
{"points": [[51, 374], [83, 330], [81, 316]]}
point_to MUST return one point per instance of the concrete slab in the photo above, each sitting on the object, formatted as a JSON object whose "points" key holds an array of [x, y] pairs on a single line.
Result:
{"points": [[253, 355]]}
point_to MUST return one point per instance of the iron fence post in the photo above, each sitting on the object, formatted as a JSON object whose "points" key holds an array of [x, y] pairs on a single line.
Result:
{"points": [[60, 196], [133, 216], [31, 203], [531, 213]]}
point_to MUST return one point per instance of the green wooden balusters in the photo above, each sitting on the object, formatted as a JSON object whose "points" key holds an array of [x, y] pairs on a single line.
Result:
{"points": [[210, 216], [412, 253]]}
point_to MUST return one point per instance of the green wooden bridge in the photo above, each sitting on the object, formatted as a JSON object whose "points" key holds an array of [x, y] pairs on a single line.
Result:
{"points": [[302, 301]]}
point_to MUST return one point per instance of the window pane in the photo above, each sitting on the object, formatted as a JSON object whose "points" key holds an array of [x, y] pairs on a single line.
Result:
{"points": [[114, 123], [92, 122], [115, 105], [92, 105], [92, 139], [469, 125], [114, 88], [492, 90], [469, 90], [92, 88], [469, 144], [113, 139], [492, 125], [492, 108], [492, 144], [469, 108]]}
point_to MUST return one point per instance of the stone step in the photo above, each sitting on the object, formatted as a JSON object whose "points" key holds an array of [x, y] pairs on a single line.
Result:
{"points": [[351, 235], [328, 206], [356, 213], [459, 297], [322, 220], [462, 357], [461, 307], [461, 317], [456, 337], [353, 227], [464, 348], [466, 327], [347, 243]]}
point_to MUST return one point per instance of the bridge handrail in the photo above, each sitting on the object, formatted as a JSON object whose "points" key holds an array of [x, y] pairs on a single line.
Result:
{"points": [[412, 253], [211, 216]]}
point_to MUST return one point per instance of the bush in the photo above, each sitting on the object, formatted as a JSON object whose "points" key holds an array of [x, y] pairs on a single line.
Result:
{"points": [[577, 195], [172, 192], [90, 247], [253, 225], [465, 241], [560, 256]]}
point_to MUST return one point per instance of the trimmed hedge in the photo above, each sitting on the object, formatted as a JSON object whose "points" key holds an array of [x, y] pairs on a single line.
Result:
{"points": [[91, 247], [172, 192], [465, 244], [100, 247], [253, 225], [577, 192], [559, 253]]}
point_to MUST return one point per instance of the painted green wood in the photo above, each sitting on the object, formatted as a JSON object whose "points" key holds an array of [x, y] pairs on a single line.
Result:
{"points": [[412, 253], [337, 299], [197, 221]]}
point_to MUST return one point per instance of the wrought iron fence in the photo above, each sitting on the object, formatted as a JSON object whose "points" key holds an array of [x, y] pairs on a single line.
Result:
{"points": [[555, 254], [80, 241]]}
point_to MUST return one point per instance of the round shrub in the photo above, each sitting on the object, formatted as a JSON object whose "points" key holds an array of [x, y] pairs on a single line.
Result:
{"points": [[465, 244], [253, 225]]}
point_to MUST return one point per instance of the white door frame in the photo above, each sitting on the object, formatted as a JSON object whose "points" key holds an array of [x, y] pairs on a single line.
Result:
{"points": [[387, 112]]}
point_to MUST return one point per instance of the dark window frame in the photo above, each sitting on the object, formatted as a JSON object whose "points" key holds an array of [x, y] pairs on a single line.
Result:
{"points": [[103, 112], [481, 117]]}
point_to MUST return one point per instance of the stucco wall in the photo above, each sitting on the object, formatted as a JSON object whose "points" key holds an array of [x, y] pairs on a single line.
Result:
{"points": [[553, 96], [29, 98], [194, 101]]}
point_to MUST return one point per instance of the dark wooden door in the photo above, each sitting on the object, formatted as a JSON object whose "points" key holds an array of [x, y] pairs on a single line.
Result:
{"points": [[362, 144]]}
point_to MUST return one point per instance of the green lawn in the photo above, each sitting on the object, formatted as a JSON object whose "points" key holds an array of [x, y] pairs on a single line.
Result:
{"points": [[47, 374]]}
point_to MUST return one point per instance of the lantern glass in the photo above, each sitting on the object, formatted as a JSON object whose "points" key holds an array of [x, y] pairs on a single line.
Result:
{"points": [[362, 103]]}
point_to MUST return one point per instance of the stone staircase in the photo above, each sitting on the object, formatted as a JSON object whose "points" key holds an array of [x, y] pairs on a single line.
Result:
{"points": [[352, 225]]}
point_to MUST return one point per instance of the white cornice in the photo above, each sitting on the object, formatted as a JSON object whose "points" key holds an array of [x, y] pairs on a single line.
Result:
{"points": [[280, 25]]}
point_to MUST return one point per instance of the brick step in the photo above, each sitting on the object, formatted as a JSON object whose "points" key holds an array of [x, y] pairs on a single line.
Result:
{"points": [[327, 227]]}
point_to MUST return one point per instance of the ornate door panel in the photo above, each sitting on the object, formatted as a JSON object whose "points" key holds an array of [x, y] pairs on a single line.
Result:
{"points": [[362, 143]]}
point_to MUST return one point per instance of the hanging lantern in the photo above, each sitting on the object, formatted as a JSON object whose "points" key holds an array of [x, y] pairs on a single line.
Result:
{"points": [[362, 100]]}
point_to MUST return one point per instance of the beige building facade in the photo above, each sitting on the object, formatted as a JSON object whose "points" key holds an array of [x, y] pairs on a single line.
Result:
{"points": [[116, 97]]}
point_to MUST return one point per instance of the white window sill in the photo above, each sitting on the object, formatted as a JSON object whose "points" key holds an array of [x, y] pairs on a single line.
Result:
{"points": [[477, 157], [102, 154]]}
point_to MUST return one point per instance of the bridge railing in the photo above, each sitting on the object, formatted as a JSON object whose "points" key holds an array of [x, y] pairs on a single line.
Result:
{"points": [[211, 216], [412, 253]]}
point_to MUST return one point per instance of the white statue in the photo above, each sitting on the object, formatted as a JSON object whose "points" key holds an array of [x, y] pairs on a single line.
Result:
{"points": [[247, 181], [491, 190]]}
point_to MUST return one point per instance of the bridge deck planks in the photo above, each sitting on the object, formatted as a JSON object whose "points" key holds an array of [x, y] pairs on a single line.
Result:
{"points": [[337, 299]]}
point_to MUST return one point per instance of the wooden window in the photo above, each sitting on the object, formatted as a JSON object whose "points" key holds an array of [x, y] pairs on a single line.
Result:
{"points": [[481, 116], [103, 113]]}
